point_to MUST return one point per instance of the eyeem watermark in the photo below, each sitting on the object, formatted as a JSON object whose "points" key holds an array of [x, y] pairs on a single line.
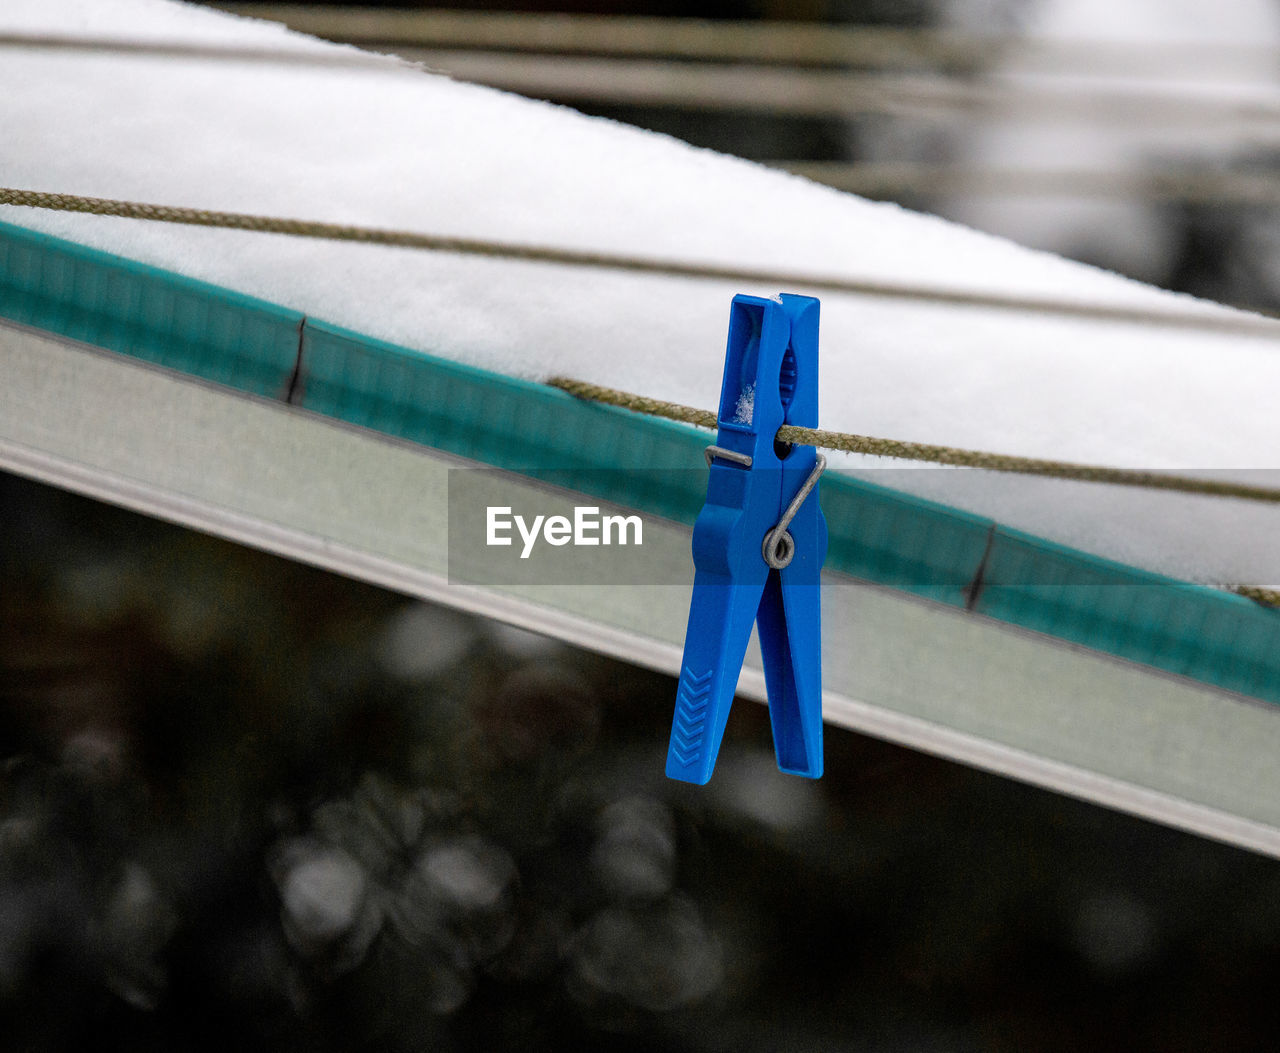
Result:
{"points": [[560, 529], [587, 527]]}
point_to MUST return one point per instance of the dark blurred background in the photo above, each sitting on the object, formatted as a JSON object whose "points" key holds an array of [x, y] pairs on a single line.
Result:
{"points": [[246, 803]]}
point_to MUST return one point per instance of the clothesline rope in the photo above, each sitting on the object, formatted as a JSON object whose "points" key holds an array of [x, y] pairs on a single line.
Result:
{"points": [[1239, 323], [918, 451]]}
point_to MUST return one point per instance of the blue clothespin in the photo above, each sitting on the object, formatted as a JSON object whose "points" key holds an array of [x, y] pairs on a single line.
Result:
{"points": [[758, 546]]}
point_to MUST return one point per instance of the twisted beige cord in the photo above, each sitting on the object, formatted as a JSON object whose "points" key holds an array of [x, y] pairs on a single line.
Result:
{"points": [[1241, 323], [916, 451], [1265, 597]]}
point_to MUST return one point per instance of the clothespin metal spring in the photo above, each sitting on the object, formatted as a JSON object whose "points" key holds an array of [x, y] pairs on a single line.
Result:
{"points": [[712, 452], [779, 548]]}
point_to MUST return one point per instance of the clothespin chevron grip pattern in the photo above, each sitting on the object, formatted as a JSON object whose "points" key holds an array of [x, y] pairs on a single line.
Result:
{"points": [[758, 546]]}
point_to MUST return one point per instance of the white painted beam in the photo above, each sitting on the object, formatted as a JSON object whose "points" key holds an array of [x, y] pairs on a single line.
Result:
{"points": [[897, 667]]}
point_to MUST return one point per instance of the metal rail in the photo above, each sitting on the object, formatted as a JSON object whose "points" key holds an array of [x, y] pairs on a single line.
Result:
{"points": [[791, 43]]}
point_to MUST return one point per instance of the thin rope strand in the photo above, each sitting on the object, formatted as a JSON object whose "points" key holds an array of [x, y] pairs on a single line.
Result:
{"points": [[1244, 324], [230, 52], [916, 451], [1263, 597]]}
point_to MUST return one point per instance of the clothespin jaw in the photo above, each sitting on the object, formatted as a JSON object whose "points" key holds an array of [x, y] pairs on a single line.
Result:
{"points": [[758, 546]]}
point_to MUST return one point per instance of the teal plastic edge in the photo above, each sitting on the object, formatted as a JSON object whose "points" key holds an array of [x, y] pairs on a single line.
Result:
{"points": [[614, 455], [1187, 629], [166, 319], [877, 534], [500, 421]]}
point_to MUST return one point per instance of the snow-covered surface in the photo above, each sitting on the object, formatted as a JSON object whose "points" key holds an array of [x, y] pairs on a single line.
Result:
{"points": [[395, 147]]}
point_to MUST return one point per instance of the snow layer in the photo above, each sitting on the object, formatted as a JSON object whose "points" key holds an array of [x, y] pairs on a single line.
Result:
{"points": [[395, 147]]}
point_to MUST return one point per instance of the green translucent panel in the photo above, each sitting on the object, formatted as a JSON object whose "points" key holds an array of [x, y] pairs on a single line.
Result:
{"points": [[163, 318], [876, 534], [502, 421], [1186, 629], [905, 542]]}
